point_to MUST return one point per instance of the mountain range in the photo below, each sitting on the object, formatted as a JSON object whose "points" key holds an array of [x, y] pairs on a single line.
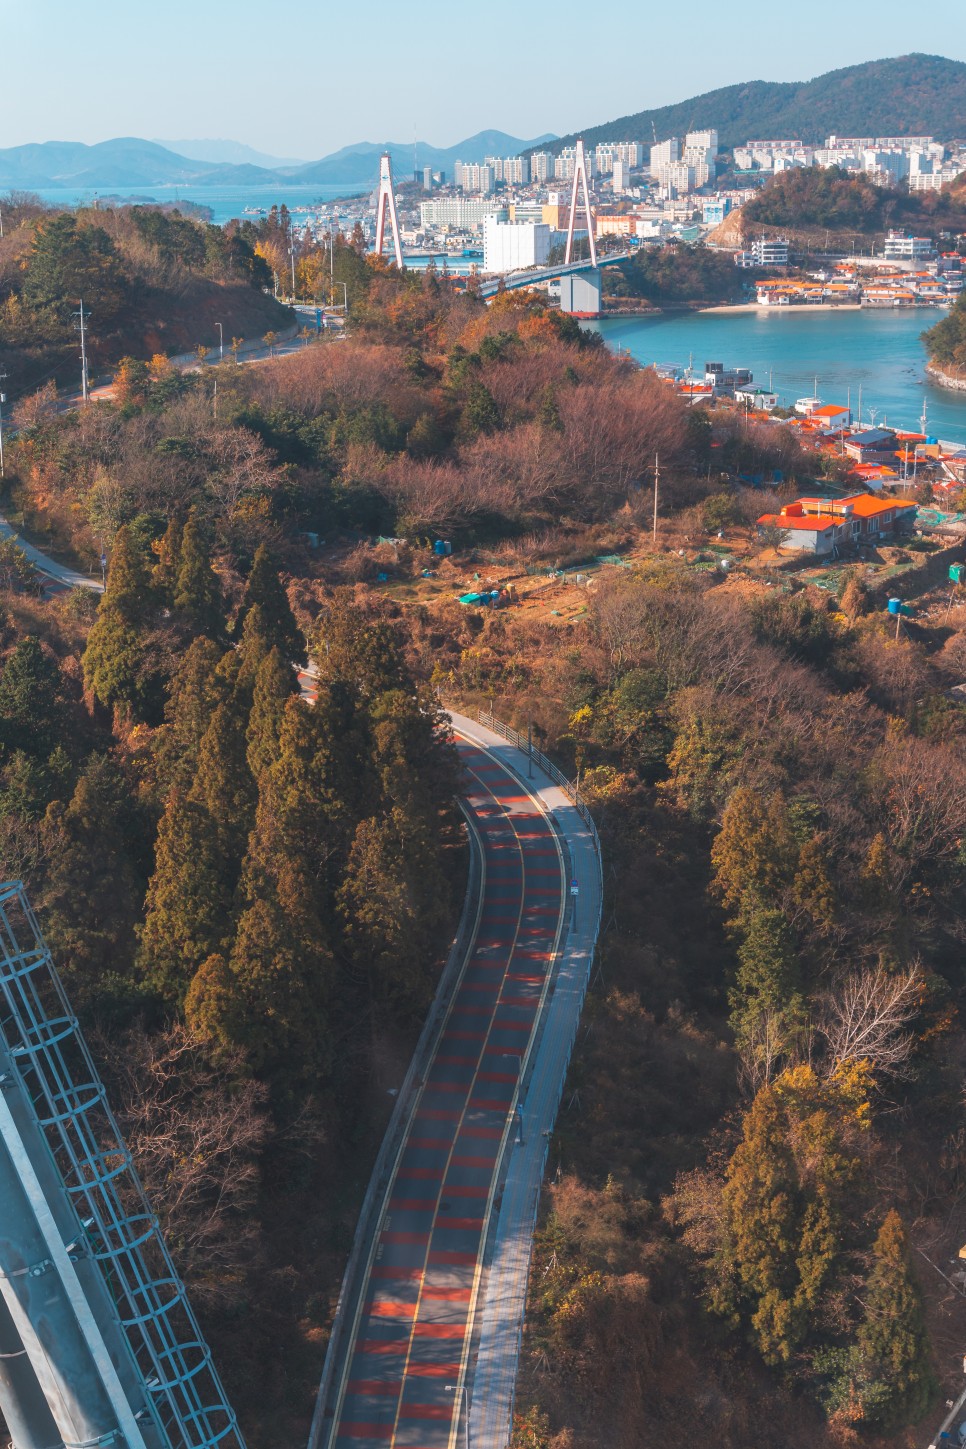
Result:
{"points": [[131, 162], [909, 95]]}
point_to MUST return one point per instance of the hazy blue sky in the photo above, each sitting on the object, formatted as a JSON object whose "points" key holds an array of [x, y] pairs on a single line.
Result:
{"points": [[303, 79]]}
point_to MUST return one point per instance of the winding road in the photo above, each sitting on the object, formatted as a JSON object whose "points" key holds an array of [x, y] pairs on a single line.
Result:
{"points": [[428, 1326]]}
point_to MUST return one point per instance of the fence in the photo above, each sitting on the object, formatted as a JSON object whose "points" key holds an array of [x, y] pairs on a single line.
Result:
{"points": [[525, 743]]}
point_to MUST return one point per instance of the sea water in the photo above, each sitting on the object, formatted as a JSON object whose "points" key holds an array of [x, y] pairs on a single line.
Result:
{"points": [[798, 353]]}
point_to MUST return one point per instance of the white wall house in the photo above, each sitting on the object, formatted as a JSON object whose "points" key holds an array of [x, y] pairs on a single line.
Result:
{"points": [[509, 246]]}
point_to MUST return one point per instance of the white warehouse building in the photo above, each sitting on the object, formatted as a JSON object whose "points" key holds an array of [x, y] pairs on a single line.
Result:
{"points": [[509, 246]]}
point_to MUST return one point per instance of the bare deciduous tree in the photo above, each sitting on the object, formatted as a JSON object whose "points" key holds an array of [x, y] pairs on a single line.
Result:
{"points": [[195, 1136], [866, 1018]]}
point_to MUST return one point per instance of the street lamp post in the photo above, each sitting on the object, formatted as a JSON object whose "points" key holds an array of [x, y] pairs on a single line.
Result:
{"points": [[3, 399], [221, 342], [461, 1388]]}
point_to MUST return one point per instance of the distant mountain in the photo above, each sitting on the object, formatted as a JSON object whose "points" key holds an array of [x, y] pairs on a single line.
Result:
{"points": [[362, 160], [130, 162], [233, 153], [127, 161], [910, 95]]}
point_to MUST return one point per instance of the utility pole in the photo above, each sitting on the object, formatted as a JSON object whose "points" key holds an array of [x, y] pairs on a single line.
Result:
{"points": [[3, 399], [292, 255], [657, 475], [82, 327]]}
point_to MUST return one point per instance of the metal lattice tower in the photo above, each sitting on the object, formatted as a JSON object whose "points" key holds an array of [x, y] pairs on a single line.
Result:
{"points": [[580, 180], [98, 1343], [387, 203]]}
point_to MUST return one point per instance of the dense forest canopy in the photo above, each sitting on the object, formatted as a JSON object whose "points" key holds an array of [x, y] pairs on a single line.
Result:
{"points": [[678, 273]]}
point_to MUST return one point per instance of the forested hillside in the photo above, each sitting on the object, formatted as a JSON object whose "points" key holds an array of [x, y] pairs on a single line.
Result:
{"points": [[249, 895], [806, 200], [151, 283], [909, 95]]}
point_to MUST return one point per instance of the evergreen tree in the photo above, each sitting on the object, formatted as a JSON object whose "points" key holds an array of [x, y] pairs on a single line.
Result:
{"points": [[281, 959], [189, 899], [361, 653], [253, 649], [788, 1183], [223, 785], [755, 850], [479, 413], [391, 906], [32, 708], [275, 684], [767, 1007], [197, 594], [196, 690], [278, 627], [95, 883], [892, 1338], [164, 575], [213, 1006], [115, 661]]}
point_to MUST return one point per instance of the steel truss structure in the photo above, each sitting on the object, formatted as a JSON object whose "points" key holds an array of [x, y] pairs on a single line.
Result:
{"points": [[98, 1342]]}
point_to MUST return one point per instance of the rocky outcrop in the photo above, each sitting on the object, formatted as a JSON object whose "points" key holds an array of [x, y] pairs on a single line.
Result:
{"points": [[954, 380]]}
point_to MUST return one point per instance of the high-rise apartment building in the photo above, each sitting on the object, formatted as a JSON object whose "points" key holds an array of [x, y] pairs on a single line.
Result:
{"points": [[664, 153]]}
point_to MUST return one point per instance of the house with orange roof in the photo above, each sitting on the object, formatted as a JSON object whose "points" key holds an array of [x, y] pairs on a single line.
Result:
{"points": [[831, 418], [829, 525]]}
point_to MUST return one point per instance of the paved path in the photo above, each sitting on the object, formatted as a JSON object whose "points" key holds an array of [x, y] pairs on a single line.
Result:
{"points": [[58, 573], [433, 1302]]}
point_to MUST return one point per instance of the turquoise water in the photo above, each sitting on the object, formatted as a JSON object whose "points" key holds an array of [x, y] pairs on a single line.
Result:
{"points": [[880, 350], [225, 202]]}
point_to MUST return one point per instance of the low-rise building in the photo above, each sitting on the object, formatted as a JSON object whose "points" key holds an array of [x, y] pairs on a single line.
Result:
{"points": [[872, 445], [826, 525], [770, 251]]}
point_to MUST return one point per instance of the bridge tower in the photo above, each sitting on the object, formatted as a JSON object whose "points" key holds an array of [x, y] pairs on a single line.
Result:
{"points": [[387, 203], [98, 1343], [580, 180]]}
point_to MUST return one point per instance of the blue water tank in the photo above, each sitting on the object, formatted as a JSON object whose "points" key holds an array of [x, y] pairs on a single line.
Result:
{"points": [[894, 606]]}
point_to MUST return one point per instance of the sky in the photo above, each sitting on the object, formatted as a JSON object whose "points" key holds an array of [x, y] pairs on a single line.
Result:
{"points": [[304, 79]]}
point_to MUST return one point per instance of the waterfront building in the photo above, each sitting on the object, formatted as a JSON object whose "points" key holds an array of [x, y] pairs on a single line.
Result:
{"points": [[770, 251], [509, 246], [902, 248]]}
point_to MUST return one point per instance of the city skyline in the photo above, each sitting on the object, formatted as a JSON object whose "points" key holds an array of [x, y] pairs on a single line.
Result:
{"points": [[103, 75]]}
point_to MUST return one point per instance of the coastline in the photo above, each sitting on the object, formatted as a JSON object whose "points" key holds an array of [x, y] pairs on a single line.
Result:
{"points": [[817, 307], [942, 379]]}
